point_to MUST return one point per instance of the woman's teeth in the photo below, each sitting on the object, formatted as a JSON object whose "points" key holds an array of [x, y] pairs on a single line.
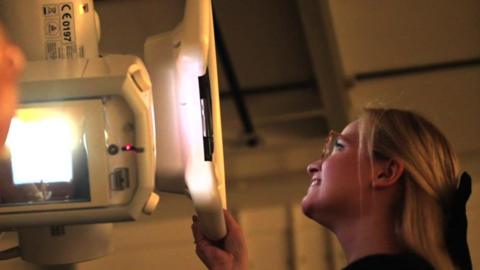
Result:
{"points": [[315, 181]]}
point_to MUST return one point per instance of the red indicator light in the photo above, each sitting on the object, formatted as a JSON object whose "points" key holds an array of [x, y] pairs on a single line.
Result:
{"points": [[128, 147]]}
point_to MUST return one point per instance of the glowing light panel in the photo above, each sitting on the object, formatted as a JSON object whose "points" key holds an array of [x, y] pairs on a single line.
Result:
{"points": [[41, 145], [199, 174]]}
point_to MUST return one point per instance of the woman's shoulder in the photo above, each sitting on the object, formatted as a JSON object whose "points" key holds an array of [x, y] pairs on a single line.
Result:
{"points": [[391, 262]]}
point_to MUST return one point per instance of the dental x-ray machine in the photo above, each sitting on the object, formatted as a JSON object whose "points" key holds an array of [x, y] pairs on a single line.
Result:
{"points": [[95, 137]]}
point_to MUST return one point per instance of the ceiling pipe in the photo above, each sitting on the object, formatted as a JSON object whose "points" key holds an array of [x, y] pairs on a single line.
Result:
{"points": [[224, 57]]}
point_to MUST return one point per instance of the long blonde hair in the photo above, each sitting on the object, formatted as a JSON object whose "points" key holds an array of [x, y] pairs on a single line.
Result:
{"points": [[429, 179]]}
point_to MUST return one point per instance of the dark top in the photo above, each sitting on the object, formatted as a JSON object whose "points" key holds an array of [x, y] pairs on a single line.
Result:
{"points": [[390, 262]]}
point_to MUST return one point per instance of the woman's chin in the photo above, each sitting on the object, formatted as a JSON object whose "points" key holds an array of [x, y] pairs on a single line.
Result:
{"points": [[313, 208], [307, 207]]}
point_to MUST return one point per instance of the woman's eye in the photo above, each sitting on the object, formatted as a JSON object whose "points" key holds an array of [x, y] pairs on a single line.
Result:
{"points": [[337, 146]]}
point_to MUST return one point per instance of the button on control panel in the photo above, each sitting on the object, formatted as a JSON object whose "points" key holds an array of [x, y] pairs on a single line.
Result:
{"points": [[119, 179]]}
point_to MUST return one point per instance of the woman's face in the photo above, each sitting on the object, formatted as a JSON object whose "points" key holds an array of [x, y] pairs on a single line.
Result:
{"points": [[11, 64], [338, 180]]}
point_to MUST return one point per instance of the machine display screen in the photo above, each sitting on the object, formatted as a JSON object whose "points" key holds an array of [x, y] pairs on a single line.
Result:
{"points": [[47, 158]]}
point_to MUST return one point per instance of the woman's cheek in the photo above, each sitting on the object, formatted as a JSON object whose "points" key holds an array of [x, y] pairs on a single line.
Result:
{"points": [[339, 174]]}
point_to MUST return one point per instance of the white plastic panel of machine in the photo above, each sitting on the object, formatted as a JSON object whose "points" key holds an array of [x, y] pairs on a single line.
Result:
{"points": [[82, 153], [182, 65], [52, 29], [80, 147]]}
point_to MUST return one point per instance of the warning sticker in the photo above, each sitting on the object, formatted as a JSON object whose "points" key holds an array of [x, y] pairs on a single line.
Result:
{"points": [[59, 25], [50, 10], [52, 28]]}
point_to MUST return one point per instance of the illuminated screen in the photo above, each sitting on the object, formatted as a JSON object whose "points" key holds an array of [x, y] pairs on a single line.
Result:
{"points": [[48, 157]]}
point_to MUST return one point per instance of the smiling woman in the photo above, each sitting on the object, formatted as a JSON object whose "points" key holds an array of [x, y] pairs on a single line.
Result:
{"points": [[387, 187], [386, 183], [11, 64]]}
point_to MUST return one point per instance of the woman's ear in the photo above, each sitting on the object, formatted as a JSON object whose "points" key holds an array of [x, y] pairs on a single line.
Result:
{"points": [[387, 173]]}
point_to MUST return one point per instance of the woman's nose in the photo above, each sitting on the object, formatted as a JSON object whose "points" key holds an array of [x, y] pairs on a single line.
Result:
{"points": [[314, 167]]}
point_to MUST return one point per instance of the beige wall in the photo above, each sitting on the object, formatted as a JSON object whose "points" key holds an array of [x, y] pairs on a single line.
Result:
{"points": [[449, 98]]}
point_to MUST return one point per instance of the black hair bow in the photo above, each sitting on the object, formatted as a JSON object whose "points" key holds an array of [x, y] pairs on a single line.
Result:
{"points": [[456, 230]]}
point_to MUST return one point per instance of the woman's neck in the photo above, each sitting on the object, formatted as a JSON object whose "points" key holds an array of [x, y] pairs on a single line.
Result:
{"points": [[367, 236]]}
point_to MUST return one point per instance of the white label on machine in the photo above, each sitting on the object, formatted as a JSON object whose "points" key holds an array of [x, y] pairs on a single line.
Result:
{"points": [[59, 30]]}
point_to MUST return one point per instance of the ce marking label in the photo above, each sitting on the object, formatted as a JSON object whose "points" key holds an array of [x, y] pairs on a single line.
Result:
{"points": [[66, 20]]}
